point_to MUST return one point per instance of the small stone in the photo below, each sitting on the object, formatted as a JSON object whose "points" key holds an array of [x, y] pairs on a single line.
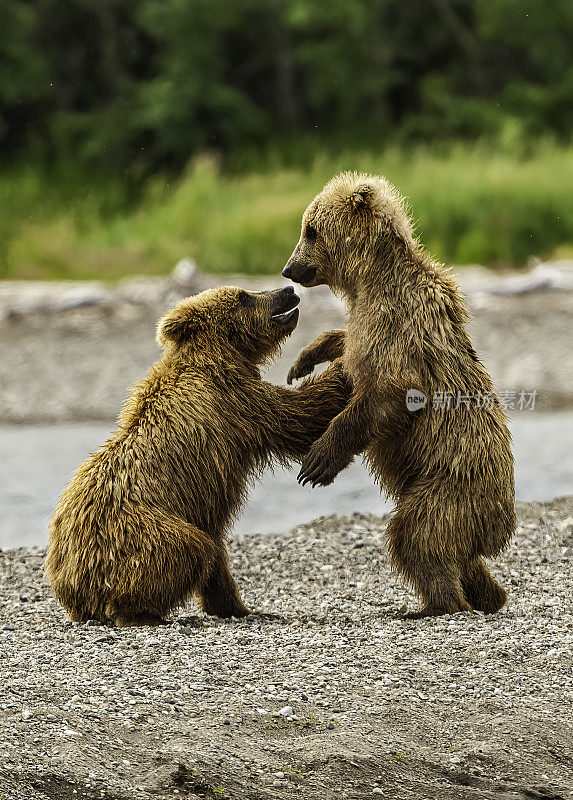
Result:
{"points": [[287, 711], [184, 271], [330, 726]]}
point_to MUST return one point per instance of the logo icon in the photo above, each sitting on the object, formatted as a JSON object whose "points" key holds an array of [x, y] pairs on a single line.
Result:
{"points": [[415, 400]]}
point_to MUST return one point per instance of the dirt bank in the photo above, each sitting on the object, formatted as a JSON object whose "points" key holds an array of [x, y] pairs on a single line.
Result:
{"points": [[69, 351], [336, 697]]}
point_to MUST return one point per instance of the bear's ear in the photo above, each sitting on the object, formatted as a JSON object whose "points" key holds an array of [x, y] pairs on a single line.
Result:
{"points": [[361, 198], [176, 326]]}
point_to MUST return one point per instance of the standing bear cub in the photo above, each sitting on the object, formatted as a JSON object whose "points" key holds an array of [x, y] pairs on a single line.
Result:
{"points": [[141, 525], [450, 467]]}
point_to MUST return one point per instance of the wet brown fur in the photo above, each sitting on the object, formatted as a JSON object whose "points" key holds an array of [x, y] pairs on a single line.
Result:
{"points": [[450, 471], [141, 526]]}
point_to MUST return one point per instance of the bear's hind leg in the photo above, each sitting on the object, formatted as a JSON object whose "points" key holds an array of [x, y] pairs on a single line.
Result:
{"points": [[482, 590], [219, 594], [77, 615], [437, 580], [77, 606], [168, 561], [439, 586], [133, 619], [441, 594]]}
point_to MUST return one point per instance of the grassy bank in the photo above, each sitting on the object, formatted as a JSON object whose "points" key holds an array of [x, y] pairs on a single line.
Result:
{"points": [[472, 206]]}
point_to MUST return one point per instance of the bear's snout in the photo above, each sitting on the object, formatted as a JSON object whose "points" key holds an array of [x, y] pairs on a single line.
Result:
{"points": [[284, 300], [299, 272]]}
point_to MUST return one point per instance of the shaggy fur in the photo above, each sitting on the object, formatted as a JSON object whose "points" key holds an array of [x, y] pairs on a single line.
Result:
{"points": [[141, 525], [450, 470]]}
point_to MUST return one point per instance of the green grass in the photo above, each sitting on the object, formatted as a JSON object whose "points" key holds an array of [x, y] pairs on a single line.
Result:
{"points": [[472, 205]]}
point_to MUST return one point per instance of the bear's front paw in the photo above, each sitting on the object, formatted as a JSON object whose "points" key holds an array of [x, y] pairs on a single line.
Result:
{"points": [[319, 468], [299, 369]]}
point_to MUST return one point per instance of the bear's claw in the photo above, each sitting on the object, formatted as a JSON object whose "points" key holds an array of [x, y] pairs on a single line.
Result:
{"points": [[317, 470], [299, 370]]}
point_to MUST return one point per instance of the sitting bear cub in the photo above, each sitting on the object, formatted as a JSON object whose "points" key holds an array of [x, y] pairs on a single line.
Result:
{"points": [[141, 525]]}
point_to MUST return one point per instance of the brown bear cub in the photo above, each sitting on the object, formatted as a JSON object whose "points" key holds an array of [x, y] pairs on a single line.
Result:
{"points": [[447, 464], [141, 525]]}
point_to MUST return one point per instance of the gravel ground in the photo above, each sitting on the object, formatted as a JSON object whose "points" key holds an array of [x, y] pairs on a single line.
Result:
{"points": [[337, 696]]}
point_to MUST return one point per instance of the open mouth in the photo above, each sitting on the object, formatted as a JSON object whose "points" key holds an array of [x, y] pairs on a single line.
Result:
{"points": [[290, 315]]}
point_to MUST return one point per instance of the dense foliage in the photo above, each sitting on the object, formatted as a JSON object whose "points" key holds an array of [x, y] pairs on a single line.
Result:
{"points": [[147, 83], [471, 205]]}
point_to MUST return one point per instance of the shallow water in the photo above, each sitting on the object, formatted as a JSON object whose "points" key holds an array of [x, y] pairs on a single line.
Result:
{"points": [[37, 461]]}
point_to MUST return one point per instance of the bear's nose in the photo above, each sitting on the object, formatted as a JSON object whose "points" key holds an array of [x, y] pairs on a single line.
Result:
{"points": [[289, 289], [287, 273]]}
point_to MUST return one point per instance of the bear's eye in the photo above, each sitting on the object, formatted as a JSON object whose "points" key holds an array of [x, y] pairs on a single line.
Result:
{"points": [[310, 233], [245, 299]]}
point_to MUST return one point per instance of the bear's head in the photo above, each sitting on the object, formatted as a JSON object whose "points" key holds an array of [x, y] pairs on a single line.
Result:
{"points": [[346, 228], [229, 319]]}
